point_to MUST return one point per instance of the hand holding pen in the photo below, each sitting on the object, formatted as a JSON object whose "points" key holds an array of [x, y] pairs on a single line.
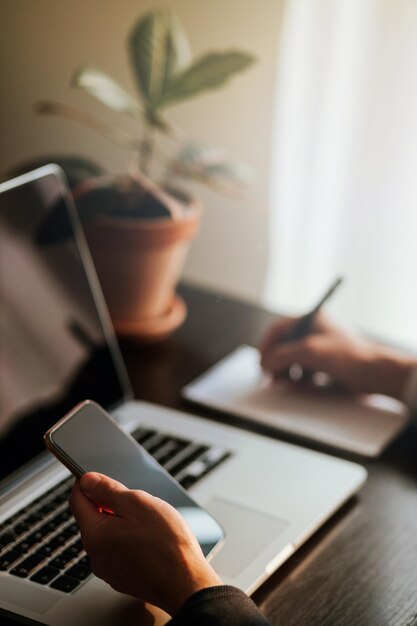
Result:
{"points": [[350, 361], [285, 343]]}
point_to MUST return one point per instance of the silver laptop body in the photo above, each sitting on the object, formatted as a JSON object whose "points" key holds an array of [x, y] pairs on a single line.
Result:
{"points": [[58, 348]]}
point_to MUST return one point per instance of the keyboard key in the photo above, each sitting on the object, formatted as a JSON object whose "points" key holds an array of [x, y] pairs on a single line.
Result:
{"points": [[202, 466], [168, 451], [73, 529], [61, 560], [74, 549], [24, 568], [6, 539], [8, 558], [48, 549], [26, 544], [190, 455], [182, 442], [61, 497], [39, 534], [62, 517], [78, 571], [45, 575], [54, 544], [196, 469], [143, 434], [20, 528], [53, 523], [188, 481], [155, 443], [32, 519], [64, 583], [69, 531], [78, 544], [46, 508], [61, 538]]}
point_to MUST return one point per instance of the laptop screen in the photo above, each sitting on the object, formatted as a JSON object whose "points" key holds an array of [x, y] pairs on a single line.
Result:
{"points": [[54, 348]]}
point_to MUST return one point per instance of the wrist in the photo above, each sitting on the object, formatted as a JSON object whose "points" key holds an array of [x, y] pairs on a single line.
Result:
{"points": [[191, 581], [391, 372]]}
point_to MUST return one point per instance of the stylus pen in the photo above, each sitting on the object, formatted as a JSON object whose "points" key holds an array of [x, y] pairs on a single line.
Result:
{"points": [[305, 323]]}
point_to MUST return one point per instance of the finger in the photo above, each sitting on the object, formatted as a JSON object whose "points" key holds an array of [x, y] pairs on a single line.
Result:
{"points": [[93, 524], [306, 352], [105, 492], [85, 512], [273, 335]]}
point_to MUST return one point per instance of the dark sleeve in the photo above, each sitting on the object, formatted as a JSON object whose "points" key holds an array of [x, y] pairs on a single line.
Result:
{"points": [[219, 606]]}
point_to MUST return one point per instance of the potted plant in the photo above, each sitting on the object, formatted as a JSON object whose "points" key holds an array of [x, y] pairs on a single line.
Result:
{"points": [[139, 225]]}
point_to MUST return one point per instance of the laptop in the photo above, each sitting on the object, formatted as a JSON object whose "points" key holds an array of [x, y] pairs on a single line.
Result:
{"points": [[58, 348]]}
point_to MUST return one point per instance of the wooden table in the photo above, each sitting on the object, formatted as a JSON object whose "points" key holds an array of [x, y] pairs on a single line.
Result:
{"points": [[360, 569]]}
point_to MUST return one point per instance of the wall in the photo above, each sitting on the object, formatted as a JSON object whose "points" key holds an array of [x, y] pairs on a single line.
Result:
{"points": [[44, 41]]}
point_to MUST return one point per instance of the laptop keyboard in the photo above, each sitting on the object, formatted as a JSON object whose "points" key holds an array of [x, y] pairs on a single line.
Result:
{"points": [[187, 461], [42, 543]]}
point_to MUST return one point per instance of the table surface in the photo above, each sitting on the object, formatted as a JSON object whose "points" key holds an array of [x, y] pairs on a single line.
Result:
{"points": [[360, 569]]}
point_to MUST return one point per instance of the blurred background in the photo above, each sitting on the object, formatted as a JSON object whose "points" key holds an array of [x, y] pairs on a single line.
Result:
{"points": [[326, 119]]}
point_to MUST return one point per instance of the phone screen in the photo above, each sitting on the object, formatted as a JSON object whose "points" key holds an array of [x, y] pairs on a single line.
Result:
{"points": [[94, 442]]}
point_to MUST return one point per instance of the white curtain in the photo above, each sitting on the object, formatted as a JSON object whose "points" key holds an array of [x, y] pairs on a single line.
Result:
{"points": [[344, 167]]}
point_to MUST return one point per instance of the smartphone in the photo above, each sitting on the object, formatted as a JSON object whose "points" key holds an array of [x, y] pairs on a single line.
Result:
{"points": [[88, 439]]}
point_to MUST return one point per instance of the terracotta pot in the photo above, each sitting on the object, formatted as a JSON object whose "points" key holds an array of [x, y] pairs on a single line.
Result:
{"points": [[139, 263]]}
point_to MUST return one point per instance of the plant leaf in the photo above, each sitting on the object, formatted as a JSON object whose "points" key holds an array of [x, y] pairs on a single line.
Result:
{"points": [[210, 71], [159, 48], [106, 90], [210, 166], [115, 134]]}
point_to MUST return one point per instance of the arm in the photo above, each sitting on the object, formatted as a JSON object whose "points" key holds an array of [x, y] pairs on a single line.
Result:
{"points": [[219, 606], [147, 530], [352, 362]]}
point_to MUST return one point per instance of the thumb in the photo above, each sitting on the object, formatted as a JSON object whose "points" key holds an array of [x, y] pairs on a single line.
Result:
{"points": [[104, 491]]}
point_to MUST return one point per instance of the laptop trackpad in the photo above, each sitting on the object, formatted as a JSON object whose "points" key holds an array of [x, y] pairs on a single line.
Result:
{"points": [[248, 532]]}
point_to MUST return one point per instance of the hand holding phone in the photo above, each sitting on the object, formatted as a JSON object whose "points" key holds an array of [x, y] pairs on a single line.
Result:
{"points": [[147, 550], [88, 439]]}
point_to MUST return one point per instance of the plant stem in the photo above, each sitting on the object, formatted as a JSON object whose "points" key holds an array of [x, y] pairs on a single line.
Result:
{"points": [[146, 148]]}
